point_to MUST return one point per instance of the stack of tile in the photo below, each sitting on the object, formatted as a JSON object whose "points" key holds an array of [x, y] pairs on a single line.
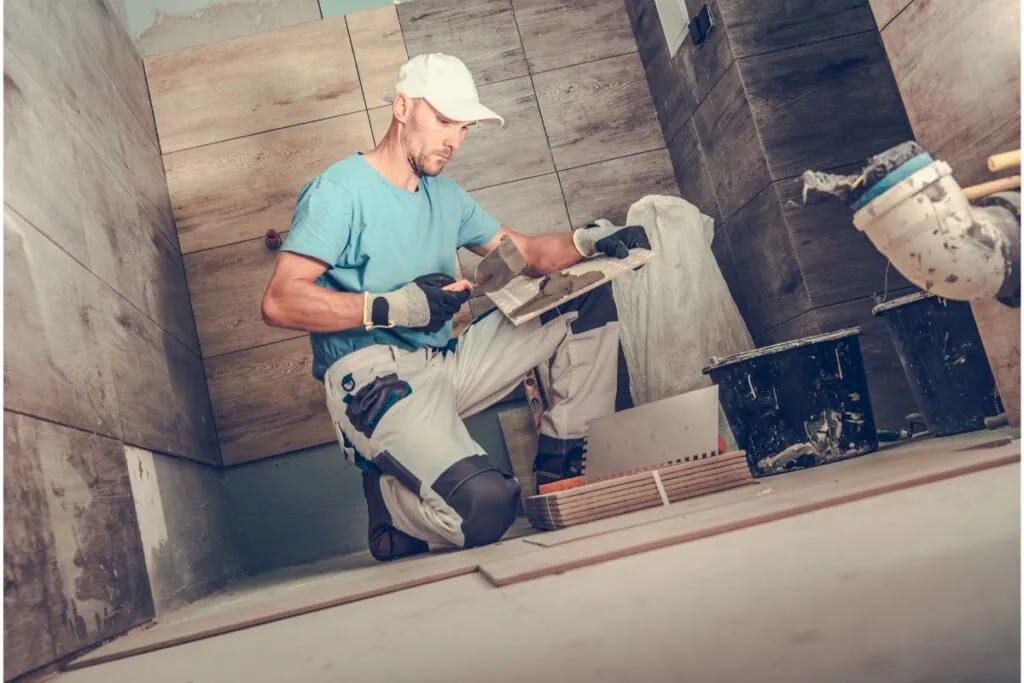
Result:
{"points": [[627, 493]]}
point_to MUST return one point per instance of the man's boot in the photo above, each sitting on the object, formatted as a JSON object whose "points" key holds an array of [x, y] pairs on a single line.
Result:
{"points": [[386, 542]]}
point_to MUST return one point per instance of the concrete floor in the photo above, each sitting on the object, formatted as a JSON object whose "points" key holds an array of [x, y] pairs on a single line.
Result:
{"points": [[919, 585]]}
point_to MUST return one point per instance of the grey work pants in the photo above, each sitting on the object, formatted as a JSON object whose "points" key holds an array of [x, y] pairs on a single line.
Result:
{"points": [[402, 411]]}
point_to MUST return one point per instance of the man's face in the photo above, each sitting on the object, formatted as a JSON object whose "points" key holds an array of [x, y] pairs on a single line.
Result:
{"points": [[430, 138]]}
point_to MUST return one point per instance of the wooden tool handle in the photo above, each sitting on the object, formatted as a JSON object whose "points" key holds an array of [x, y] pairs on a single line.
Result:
{"points": [[991, 187], [1004, 160]]}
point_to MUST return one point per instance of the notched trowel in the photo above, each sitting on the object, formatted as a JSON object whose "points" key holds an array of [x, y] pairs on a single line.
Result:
{"points": [[499, 267]]}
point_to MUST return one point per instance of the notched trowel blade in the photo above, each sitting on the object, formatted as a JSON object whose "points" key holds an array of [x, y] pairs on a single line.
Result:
{"points": [[499, 267]]}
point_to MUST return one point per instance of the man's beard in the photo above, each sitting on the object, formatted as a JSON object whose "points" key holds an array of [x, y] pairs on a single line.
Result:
{"points": [[421, 165]]}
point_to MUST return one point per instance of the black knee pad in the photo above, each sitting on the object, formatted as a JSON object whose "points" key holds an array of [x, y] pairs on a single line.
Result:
{"points": [[596, 309], [484, 497]]}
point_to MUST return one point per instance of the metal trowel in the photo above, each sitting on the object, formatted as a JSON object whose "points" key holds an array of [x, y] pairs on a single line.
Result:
{"points": [[499, 267]]}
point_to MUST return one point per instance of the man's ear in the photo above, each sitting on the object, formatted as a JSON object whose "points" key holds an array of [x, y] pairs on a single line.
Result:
{"points": [[401, 108]]}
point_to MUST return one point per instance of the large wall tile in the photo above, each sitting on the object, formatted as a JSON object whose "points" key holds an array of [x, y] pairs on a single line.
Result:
{"points": [[958, 70], [69, 515], [197, 432], [598, 111], [200, 23], [237, 190], [891, 398], [482, 33], [824, 105], [167, 299], [757, 26], [146, 399], [532, 207], [691, 170], [380, 50], [838, 262], [558, 33], [886, 10], [492, 155], [227, 285], [253, 84], [804, 325], [722, 251], [266, 402], [607, 189], [731, 145], [55, 334], [767, 267], [37, 149], [145, 175]]}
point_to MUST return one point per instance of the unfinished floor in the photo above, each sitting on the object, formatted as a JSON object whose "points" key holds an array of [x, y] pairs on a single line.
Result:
{"points": [[921, 584]]}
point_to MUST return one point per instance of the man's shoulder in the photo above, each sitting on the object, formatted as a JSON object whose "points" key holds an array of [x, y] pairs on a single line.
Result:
{"points": [[343, 173]]}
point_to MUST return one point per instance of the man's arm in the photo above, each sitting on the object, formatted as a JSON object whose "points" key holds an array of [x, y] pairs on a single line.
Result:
{"points": [[547, 253], [294, 301]]}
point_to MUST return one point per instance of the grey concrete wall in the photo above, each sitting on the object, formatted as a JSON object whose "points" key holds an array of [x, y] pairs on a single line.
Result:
{"points": [[186, 533], [308, 505]]}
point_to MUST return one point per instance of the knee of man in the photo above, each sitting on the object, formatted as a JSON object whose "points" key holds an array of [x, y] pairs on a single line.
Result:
{"points": [[485, 498], [595, 309]]}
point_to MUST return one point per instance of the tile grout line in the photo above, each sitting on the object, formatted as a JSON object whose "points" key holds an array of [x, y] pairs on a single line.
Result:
{"points": [[261, 345]]}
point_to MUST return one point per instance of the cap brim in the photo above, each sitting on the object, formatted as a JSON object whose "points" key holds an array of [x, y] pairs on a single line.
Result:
{"points": [[465, 110]]}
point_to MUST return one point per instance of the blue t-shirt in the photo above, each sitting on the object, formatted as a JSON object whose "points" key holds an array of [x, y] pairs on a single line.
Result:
{"points": [[378, 237]]}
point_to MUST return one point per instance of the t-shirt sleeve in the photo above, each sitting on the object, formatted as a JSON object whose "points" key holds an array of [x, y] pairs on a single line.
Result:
{"points": [[322, 222], [477, 227]]}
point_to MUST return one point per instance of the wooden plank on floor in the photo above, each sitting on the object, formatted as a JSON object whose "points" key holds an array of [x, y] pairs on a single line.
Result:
{"points": [[234, 88], [266, 401], [380, 50], [822, 487], [237, 190], [320, 593], [226, 285]]}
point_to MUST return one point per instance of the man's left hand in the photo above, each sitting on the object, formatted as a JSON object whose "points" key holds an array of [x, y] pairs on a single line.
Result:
{"points": [[605, 238]]}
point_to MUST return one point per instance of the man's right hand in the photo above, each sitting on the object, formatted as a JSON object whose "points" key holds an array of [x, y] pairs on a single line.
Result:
{"points": [[423, 305]]}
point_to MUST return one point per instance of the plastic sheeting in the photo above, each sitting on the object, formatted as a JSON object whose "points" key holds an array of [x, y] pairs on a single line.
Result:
{"points": [[676, 313]]}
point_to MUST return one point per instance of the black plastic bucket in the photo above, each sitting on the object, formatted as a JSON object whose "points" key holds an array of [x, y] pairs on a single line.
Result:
{"points": [[942, 354], [798, 404]]}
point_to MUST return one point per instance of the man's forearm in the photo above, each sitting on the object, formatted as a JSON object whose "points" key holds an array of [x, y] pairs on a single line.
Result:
{"points": [[309, 307], [549, 253]]}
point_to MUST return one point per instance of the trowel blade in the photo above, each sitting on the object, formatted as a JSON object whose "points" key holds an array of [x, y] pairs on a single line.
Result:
{"points": [[500, 266]]}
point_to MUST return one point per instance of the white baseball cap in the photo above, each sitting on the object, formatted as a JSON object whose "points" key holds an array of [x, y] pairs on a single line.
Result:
{"points": [[446, 83]]}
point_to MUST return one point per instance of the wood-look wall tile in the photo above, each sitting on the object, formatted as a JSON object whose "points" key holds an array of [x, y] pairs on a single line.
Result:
{"points": [[29, 561], [891, 398], [145, 174], [824, 105], [558, 33], [598, 111], [838, 262], [55, 332], [197, 432], [673, 99], [482, 33], [211, 22], [253, 84], [142, 377], [731, 145], [380, 50], [958, 70], [532, 207], [237, 190], [804, 325], [266, 402], [691, 170], [722, 251], [167, 298], [92, 564], [886, 10], [492, 155], [607, 189], [767, 267], [37, 150], [757, 26], [226, 285], [380, 120]]}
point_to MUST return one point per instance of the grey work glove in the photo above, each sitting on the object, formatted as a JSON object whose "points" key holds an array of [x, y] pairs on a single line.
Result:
{"points": [[602, 237], [421, 305]]}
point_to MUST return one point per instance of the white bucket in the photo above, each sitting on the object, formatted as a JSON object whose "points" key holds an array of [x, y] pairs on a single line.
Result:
{"points": [[930, 232]]}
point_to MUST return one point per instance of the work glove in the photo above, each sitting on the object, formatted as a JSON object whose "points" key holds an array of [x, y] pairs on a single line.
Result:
{"points": [[422, 305], [602, 237]]}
